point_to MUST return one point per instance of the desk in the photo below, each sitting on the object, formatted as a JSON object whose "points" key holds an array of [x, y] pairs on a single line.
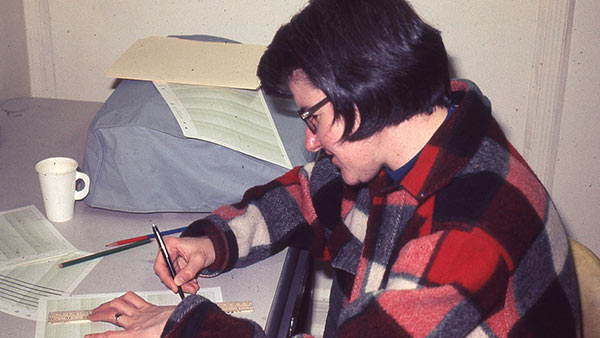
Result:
{"points": [[32, 129]]}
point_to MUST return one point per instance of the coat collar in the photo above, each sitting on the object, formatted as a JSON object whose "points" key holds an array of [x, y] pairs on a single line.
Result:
{"points": [[453, 143]]}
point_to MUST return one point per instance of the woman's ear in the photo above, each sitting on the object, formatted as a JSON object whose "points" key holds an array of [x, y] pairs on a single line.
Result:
{"points": [[356, 119]]}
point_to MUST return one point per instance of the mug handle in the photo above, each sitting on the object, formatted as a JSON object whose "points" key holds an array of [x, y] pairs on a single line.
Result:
{"points": [[80, 194]]}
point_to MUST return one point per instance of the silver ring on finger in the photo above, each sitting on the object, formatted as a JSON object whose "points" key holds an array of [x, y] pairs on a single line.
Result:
{"points": [[117, 316]]}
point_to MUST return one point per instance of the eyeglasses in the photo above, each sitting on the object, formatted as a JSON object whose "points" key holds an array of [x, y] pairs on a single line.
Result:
{"points": [[307, 115]]}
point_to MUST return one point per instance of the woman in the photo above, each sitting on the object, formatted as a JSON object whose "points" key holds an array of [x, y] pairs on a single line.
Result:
{"points": [[433, 223]]}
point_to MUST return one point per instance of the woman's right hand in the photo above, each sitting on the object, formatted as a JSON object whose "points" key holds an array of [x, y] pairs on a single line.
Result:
{"points": [[189, 256]]}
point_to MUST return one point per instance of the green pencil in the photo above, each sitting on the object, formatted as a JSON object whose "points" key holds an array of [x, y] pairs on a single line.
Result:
{"points": [[103, 253]]}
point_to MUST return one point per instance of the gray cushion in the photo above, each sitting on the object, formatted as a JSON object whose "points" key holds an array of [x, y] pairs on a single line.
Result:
{"points": [[139, 161]]}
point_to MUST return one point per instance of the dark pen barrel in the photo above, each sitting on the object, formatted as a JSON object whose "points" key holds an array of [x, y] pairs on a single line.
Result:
{"points": [[163, 249]]}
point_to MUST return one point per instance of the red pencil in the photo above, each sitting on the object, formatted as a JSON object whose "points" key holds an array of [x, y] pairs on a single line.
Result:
{"points": [[128, 240], [141, 238]]}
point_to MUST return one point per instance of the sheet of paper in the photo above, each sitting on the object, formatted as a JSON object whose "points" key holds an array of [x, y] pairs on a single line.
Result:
{"points": [[27, 236], [87, 302], [23, 285], [30, 250], [235, 118], [169, 59]]}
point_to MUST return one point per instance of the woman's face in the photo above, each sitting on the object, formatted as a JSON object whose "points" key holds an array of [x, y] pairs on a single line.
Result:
{"points": [[358, 161]]}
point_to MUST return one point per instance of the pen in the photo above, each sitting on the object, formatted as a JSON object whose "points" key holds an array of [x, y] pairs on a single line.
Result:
{"points": [[139, 238], [165, 254], [103, 253]]}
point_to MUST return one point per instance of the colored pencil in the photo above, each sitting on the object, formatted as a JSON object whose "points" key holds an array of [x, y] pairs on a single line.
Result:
{"points": [[103, 253], [140, 238]]}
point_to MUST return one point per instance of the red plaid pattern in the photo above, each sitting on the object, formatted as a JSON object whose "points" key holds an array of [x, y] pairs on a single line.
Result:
{"points": [[468, 243]]}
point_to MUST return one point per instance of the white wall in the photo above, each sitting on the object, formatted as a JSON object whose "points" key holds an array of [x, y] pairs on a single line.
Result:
{"points": [[14, 72], [495, 51], [529, 57], [87, 36], [576, 187]]}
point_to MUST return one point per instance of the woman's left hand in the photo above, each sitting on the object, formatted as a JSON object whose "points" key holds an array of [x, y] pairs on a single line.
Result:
{"points": [[133, 313]]}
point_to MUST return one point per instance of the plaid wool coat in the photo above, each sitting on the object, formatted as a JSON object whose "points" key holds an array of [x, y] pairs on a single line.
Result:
{"points": [[468, 243]]}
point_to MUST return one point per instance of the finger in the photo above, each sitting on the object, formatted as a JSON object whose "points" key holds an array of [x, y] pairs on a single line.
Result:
{"points": [[121, 320], [107, 334], [163, 273], [108, 315], [135, 300], [172, 245], [189, 271], [124, 305], [187, 287], [106, 312], [191, 287]]}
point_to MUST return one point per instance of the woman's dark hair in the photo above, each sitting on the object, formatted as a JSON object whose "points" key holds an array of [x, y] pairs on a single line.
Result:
{"points": [[376, 55]]}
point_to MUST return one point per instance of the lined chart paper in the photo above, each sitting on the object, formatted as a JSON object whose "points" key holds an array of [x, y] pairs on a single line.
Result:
{"points": [[238, 119], [30, 251]]}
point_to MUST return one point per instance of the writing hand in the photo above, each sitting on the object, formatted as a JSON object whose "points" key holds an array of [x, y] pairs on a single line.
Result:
{"points": [[189, 256], [133, 313]]}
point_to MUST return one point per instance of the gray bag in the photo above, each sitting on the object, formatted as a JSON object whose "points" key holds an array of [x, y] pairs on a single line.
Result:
{"points": [[139, 161]]}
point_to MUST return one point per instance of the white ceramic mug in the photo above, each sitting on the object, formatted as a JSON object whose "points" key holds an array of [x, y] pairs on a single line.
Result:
{"points": [[58, 178]]}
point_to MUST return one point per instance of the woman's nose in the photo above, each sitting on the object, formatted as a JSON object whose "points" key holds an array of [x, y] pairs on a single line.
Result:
{"points": [[311, 143]]}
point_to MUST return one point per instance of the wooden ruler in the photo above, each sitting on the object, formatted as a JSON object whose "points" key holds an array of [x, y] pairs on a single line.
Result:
{"points": [[78, 315], [236, 307], [68, 316]]}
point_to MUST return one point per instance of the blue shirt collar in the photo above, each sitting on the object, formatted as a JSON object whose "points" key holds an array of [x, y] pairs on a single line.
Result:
{"points": [[398, 174]]}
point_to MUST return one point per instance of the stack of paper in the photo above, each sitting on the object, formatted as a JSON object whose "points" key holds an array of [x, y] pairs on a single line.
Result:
{"points": [[30, 251], [212, 90]]}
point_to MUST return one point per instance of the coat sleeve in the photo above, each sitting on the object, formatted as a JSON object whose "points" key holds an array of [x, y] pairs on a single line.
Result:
{"points": [[266, 220], [274, 216], [443, 284], [263, 223], [196, 316]]}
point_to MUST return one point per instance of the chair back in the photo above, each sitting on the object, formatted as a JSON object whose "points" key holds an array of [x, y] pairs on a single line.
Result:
{"points": [[587, 267]]}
